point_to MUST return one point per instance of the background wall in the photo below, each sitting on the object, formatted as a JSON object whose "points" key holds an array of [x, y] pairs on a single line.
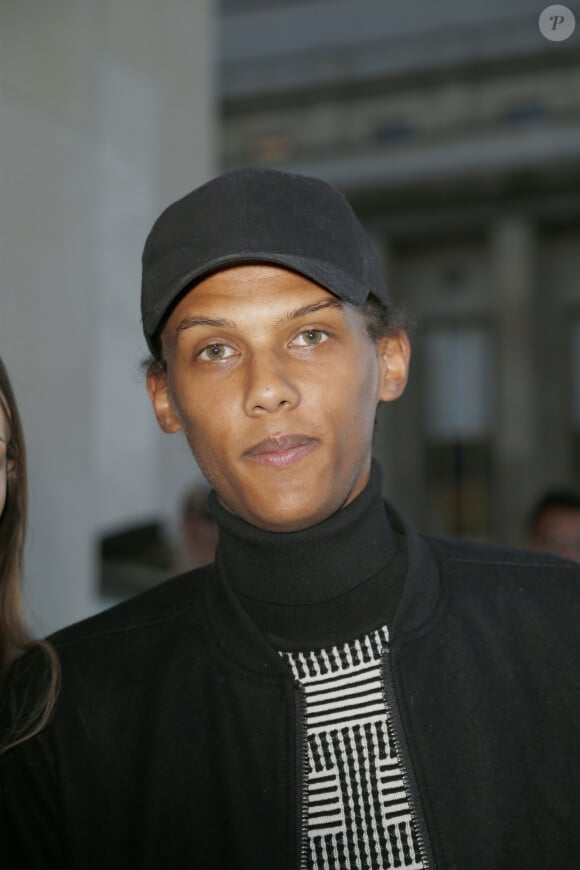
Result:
{"points": [[106, 115]]}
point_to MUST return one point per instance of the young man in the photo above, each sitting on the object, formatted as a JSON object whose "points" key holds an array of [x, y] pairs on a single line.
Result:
{"points": [[337, 691]]}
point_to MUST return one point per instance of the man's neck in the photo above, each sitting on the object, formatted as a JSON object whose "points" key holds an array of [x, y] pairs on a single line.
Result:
{"points": [[325, 583]]}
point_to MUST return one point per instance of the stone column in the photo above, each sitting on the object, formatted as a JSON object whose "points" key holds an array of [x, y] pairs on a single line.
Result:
{"points": [[513, 282]]}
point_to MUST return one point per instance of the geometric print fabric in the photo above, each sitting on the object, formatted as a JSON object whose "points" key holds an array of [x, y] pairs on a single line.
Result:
{"points": [[358, 813]]}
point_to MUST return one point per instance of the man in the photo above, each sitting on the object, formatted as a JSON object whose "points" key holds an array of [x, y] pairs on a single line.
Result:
{"points": [[338, 691], [554, 524]]}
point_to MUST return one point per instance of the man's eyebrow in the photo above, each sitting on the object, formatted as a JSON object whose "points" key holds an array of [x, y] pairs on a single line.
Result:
{"points": [[310, 309], [189, 322]]}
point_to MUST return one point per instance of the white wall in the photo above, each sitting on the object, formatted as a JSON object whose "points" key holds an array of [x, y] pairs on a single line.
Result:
{"points": [[106, 115]]}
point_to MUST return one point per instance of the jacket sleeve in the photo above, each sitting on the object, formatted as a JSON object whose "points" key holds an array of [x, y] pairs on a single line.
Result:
{"points": [[29, 796], [29, 835]]}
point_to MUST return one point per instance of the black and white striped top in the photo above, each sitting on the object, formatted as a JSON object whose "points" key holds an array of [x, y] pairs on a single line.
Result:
{"points": [[358, 812]]}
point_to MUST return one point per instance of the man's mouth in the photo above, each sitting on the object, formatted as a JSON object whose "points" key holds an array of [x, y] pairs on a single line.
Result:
{"points": [[280, 451]]}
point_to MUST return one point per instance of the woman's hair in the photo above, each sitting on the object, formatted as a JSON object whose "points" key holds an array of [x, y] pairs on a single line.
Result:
{"points": [[14, 636]]}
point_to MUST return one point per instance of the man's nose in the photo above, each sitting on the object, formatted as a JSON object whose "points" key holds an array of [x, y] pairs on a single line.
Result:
{"points": [[269, 385]]}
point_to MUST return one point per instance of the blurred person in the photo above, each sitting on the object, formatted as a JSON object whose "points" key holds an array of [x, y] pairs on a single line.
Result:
{"points": [[29, 717], [135, 557], [337, 690], [198, 530], [554, 524]]}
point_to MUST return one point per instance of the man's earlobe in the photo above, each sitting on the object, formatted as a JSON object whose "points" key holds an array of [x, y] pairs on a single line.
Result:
{"points": [[158, 390], [395, 356]]}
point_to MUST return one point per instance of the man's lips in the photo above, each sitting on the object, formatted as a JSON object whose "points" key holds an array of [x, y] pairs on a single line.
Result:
{"points": [[280, 451]]}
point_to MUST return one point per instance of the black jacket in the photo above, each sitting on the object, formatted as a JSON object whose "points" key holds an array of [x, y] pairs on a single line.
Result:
{"points": [[176, 741]]}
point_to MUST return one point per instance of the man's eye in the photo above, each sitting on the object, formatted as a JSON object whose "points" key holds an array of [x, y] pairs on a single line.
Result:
{"points": [[311, 337], [217, 352]]}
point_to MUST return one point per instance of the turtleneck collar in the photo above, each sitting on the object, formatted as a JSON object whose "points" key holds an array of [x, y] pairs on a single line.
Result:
{"points": [[317, 579]]}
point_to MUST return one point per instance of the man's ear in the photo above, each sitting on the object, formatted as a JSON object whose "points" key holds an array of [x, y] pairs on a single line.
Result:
{"points": [[394, 358], [158, 390]]}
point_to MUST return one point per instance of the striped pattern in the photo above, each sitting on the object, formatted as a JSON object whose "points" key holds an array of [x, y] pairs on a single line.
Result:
{"points": [[358, 811]]}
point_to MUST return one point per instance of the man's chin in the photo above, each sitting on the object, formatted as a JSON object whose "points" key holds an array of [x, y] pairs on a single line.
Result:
{"points": [[292, 517]]}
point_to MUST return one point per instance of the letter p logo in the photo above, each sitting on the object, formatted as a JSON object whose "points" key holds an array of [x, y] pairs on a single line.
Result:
{"points": [[557, 23]]}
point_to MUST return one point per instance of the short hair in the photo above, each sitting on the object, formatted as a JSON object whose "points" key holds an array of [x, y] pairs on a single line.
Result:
{"points": [[383, 319], [565, 499]]}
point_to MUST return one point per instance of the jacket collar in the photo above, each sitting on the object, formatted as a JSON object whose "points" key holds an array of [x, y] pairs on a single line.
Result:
{"points": [[243, 642], [422, 588]]}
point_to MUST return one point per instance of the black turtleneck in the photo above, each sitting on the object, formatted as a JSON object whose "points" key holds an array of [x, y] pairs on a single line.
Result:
{"points": [[323, 585]]}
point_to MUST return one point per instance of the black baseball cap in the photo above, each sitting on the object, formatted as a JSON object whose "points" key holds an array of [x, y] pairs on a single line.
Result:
{"points": [[256, 216]]}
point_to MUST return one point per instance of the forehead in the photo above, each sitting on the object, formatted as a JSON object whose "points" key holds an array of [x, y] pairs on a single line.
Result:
{"points": [[250, 292], [253, 283]]}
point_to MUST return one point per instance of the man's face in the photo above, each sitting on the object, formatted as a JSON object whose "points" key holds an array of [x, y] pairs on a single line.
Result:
{"points": [[275, 383]]}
